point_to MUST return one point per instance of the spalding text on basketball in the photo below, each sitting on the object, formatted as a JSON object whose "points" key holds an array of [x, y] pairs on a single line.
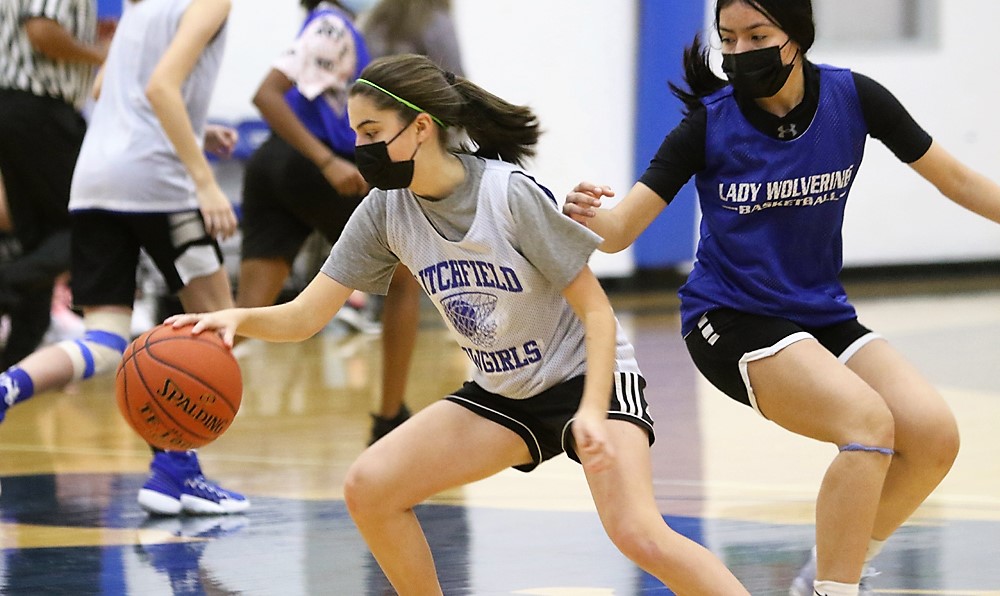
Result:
{"points": [[174, 396]]}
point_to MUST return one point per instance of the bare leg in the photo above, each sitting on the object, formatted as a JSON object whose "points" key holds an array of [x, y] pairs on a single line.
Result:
{"points": [[625, 501], [261, 281], [207, 293], [442, 446], [50, 367], [804, 389], [926, 433], [400, 323]]}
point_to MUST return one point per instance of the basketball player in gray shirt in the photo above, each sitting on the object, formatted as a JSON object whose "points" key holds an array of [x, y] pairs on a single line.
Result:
{"points": [[553, 370]]}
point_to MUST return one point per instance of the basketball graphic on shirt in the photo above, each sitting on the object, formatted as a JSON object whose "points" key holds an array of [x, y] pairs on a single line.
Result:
{"points": [[470, 314]]}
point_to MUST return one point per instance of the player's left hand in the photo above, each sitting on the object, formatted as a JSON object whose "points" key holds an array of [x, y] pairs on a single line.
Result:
{"points": [[220, 140], [591, 438]]}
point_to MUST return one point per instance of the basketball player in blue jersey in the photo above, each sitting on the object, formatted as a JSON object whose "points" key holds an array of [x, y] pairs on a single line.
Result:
{"points": [[142, 182], [774, 152], [509, 274], [303, 178]]}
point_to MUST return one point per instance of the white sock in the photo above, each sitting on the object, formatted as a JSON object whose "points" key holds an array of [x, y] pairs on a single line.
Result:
{"points": [[874, 548], [825, 588]]}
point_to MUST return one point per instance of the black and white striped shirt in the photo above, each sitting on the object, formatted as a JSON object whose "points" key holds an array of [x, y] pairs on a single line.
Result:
{"points": [[22, 68]]}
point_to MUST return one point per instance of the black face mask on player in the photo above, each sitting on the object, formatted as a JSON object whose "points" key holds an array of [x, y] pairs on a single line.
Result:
{"points": [[758, 73], [378, 169]]}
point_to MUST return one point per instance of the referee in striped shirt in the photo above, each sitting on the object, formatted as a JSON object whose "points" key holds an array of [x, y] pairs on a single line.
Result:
{"points": [[48, 54]]}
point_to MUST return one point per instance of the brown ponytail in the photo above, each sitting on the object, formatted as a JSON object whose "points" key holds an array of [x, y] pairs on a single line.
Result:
{"points": [[499, 130]]}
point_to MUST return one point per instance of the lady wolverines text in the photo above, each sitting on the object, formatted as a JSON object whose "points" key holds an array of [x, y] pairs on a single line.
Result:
{"points": [[806, 191]]}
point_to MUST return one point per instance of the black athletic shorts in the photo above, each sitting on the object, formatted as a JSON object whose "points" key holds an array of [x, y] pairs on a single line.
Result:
{"points": [[285, 198], [727, 340], [106, 248], [543, 420]]}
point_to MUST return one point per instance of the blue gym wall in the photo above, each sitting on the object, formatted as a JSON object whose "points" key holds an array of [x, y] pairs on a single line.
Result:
{"points": [[665, 28]]}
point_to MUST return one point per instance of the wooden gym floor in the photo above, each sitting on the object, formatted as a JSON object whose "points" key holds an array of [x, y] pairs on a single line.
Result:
{"points": [[70, 470]]}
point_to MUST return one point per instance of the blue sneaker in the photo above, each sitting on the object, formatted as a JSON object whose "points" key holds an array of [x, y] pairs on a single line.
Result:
{"points": [[176, 485], [803, 584]]}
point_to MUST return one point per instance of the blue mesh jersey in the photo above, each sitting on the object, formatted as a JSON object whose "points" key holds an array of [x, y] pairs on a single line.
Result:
{"points": [[772, 211], [325, 116]]}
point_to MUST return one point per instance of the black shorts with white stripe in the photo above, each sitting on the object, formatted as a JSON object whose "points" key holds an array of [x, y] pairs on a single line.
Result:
{"points": [[543, 420], [726, 341], [106, 245]]}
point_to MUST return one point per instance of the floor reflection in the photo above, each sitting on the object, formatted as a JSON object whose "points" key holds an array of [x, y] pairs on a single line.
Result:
{"points": [[293, 547]]}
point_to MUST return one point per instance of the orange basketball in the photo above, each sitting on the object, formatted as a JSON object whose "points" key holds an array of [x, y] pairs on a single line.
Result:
{"points": [[178, 391]]}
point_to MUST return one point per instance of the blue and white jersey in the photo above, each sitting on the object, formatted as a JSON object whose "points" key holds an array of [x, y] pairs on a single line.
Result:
{"points": [[326, 57], [510, 320], [772, 211]]}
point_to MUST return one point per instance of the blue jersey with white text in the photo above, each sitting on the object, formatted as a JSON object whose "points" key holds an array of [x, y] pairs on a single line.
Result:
{"points": [[772, 211]]}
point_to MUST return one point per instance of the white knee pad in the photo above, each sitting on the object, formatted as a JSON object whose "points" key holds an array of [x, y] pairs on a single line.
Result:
{"points": [[100, 349]]}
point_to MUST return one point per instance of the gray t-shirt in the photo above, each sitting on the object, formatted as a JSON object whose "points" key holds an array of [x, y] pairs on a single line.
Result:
{"points": [[494, 257]]}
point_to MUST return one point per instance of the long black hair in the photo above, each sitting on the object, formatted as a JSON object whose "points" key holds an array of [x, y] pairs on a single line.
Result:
{"points": [[500, 130], [794, 17]]}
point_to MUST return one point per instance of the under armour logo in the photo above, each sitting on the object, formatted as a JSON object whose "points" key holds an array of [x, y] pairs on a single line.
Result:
{"points": [[789, 131]]}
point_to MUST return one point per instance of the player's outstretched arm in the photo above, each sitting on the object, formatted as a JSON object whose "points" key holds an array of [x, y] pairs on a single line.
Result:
{"points": [[960, 183], [296, 320], [619, 226], [588, 300]]}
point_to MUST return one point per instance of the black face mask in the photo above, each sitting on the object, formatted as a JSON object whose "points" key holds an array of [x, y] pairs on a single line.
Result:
{"points": [[378, 169], [757, 73]]}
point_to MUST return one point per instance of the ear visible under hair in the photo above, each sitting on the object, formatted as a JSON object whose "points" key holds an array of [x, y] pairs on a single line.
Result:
{"points": [[423, 121]]}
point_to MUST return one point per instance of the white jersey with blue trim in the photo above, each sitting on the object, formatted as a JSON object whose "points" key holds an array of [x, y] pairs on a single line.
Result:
{"points": [[512, 323]]}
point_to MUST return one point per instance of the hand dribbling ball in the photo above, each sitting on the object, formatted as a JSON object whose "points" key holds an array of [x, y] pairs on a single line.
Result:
{"points": [[177, 390]]}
